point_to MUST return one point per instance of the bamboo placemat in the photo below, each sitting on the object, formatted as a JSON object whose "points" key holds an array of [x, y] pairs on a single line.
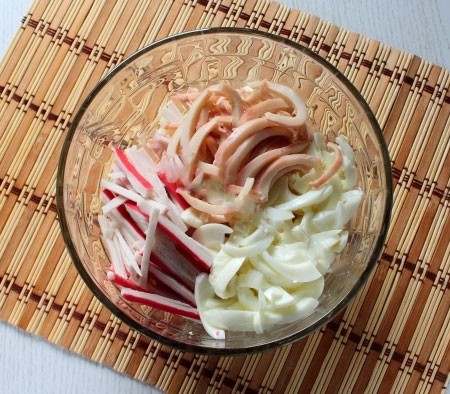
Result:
{"points": [[393, 337]]}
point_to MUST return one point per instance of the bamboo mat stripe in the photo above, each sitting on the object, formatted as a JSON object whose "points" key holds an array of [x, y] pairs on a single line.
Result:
{"points": [[397, 75], [393, 337], [333, 327]]}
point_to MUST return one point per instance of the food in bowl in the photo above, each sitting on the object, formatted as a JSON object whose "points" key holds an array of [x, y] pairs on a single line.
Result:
{"points": [[233, 212], [123, 112]]}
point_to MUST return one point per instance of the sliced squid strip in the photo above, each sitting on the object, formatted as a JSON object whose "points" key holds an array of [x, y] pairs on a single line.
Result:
{"points": [[207, 168], [183, 133], [237, 104], [203, 117], [259, 109], [235, 161], [257, 93], [282, 166], [188, 96], [239, 135], [190, 154], [251, 169], [171, 112], [333, 169], [206, 207], [301, 112]]}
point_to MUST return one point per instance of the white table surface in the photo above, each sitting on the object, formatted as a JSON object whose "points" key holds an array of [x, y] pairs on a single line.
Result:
{"points": [[32, 365]]}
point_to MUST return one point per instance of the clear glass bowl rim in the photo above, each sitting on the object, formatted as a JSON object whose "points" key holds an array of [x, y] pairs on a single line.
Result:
{"points": [[379, 244]]}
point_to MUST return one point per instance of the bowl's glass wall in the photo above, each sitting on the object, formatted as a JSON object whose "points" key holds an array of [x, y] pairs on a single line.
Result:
{"points": [[124, 111]]}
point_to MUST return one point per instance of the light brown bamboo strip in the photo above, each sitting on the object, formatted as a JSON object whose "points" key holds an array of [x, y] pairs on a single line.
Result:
{"points": [[441, 346], [187, 380], [144, 367], [279, 19], [409, 110], [32, 261], [337, 47], [8, 138], [320, 35], [374, 58], [275, 367], [147, 362], [114, 343], [18, 72], [358, 54], [432, 239], [421, 332], [415, 156], [393, 90], [37, 319], [104, 344], [129, 345], [44, 251], [223, 367], [420, 336], [17, 40], [63, 317], [44, 155], [38, 316], [167, 372], [57, 265], [232, 16], [301, 367], [18, 163], [268, 18], [82, 335], [50, 55], [126, 37], [208, 15], [384, 296], [298, 30], [156, 23], [407, 237], [359, 358], [437, 166], [181, 18], [64, 88], [257, 14], [351, 312], [328, 365], [400, 194], [248, 370], [10, 228], [371, 83], [378, 310], [57, 84]]}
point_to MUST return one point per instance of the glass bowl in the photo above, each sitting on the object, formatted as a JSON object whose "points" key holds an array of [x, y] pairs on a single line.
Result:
{"points": [[123, 108]]}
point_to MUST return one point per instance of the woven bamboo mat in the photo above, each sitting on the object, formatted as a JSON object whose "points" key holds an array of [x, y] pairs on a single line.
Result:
{"points": [[393, 337]]}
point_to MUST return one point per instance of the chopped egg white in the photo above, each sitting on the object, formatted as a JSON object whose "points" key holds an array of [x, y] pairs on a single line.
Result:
{"points": [[271, 270]]}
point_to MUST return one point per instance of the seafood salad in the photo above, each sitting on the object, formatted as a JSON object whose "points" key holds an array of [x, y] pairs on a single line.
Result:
{"points": [[233, 212]]}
